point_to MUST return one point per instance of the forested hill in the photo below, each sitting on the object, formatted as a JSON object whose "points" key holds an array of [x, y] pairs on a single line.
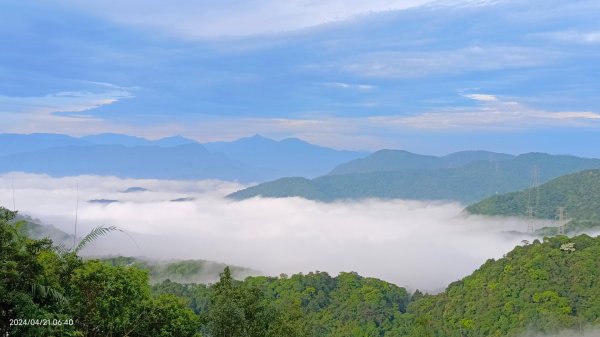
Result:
{"points": [[579, 193], [468, 183], [538, 288]]}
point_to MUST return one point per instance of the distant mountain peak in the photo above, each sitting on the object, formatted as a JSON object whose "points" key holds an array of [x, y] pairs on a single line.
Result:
{"points": [[258, 138], [174, 141]]}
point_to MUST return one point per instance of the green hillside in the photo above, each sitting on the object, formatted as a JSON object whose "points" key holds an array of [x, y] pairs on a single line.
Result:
{"points": [[38, 230], [579, 193], [469, 183], [538, 288]]}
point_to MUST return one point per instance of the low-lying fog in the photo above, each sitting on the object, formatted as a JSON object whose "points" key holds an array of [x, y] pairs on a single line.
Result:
{"points": [[423, 245]]}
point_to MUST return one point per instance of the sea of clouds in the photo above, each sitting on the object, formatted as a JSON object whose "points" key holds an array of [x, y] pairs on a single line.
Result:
{"points": [[416, 244]]}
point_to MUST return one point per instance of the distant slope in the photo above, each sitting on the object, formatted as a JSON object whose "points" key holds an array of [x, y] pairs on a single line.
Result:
{"points": [[35, 229], [187, 271], [395, 160], [461, 158], [469, 183], [116, 139], [579, 193], [131, 141], [284, 188], [388, 160], [288, 157], [190, 161]]}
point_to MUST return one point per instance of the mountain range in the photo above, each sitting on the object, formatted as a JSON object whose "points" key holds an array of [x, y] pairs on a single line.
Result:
{"points": [[398, 174], [250, 159]]}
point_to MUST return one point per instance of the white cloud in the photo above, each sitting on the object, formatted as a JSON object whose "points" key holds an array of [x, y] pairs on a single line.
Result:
{"points": [[411, 243], [210, 18], [66, 101], [419, 64], [482, 97]]}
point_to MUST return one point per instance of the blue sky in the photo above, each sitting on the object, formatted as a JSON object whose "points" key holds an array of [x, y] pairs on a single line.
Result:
{"points": [[426, 76]]}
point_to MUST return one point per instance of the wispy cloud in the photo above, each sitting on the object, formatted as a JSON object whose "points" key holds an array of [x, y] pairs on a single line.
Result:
{"points": [[457, 61], [492, 113], [352, 86], [489, 112], [66, 108]]}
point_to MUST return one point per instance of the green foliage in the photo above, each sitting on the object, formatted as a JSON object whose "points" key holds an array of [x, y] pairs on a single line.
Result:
{"points": [[315, 304], [100, 291], [237, 311], [42, 284], [168, 315], [27, 289]]}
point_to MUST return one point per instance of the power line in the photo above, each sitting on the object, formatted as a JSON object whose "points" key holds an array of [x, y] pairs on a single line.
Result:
{"points": [[532, 205]]}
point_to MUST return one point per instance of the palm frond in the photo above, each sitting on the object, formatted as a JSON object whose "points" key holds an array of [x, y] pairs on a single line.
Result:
{"points": [[94, 235], [97, 233], [61, 249]]}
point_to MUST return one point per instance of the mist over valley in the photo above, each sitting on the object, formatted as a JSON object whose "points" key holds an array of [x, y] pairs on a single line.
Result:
{"points": [[429, 243]]}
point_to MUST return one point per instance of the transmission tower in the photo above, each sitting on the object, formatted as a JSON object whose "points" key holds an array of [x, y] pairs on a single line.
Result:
{"points": [[533, 198], [562, 221]]}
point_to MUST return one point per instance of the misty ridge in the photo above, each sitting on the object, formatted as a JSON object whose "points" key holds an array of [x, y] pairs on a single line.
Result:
{"points": [[429, 243], [195, 271], [248, 159]]}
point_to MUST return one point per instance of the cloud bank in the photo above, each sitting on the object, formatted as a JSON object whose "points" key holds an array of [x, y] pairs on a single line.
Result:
{"points": [[417, 244]]}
